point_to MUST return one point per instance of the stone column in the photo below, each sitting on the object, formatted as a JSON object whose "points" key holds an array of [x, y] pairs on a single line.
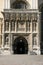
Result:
{"points": [[6, 4], [2, 40], [15, 26], [11, 44], [39, 29], [25, 25], [3, 34], [9, 33], [31, 35], [1, 31], [35, 5]]}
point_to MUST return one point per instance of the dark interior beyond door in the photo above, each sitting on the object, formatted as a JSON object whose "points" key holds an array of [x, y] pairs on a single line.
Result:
{"points": [[20, 46]]}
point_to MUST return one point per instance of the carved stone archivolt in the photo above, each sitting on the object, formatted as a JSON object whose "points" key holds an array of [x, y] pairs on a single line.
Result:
{"points": [[19, 4]]}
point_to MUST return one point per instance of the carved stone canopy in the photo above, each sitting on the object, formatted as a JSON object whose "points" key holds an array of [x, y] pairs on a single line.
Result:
{"points": [[20, 16]]}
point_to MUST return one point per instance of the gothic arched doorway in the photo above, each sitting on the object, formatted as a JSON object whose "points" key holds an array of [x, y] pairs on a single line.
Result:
{"points": [[20, 46]]}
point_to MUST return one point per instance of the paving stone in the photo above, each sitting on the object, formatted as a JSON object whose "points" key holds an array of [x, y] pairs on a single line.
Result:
{"points": [[21, 60]]}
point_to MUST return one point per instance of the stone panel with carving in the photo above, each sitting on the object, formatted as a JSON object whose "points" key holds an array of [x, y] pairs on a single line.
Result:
{"points": [[6, 16]]}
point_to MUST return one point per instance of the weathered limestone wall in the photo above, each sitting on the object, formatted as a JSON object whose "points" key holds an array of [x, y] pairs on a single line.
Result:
{"points": [[40, 2]]}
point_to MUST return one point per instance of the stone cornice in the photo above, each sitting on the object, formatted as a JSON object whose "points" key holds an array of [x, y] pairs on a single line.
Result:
{"points": [[21, 14], [21, 10]]}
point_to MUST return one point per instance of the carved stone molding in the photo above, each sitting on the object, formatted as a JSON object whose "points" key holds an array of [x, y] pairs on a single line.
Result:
{"points": [[6, 16], [12, 16], [34, 17], [20, 16]]}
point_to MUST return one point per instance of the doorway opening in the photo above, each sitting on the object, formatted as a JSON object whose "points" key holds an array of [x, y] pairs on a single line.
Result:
{"points": [[20, 46]]}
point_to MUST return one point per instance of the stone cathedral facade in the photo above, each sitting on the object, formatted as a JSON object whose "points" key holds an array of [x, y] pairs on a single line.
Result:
{"points": [[20, 26]]}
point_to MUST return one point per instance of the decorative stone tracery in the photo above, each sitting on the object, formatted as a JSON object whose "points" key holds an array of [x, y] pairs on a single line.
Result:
{"points": [[21, 19], [20, 16]]}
